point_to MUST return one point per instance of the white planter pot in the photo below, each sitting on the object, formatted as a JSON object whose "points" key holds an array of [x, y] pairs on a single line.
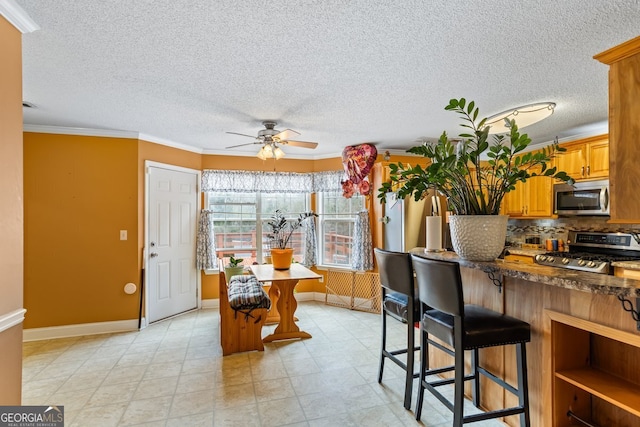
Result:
{"points": [[478, 237]]}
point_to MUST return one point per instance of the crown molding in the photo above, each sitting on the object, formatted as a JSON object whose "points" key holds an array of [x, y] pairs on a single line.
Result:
{"points": [[169, 143], [62, 130], [17, 17]]}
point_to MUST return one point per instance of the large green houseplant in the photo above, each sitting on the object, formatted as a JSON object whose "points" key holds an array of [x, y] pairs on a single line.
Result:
{"points": [[473, 173]]}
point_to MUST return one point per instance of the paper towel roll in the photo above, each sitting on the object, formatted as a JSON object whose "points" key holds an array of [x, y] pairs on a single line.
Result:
{"points": [[434, 233]]}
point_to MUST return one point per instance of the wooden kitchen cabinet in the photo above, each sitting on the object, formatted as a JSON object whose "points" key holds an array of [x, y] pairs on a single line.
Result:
{"points": [[624, 127], [531, 199], [585, 159]]}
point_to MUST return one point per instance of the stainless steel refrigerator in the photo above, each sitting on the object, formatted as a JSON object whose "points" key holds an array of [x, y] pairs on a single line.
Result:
{"points": [[404, 222]]}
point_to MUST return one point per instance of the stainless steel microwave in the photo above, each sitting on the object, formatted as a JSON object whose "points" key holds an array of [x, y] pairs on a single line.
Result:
{"points": [[581, 198]]}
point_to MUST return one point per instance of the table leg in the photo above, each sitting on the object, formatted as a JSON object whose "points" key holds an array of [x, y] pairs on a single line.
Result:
{"points": [[273, 316], [287, 304]]}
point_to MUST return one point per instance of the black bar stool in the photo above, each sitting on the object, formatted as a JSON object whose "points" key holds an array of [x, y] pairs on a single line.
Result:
{"points": [[399, 300], [465, 327]]}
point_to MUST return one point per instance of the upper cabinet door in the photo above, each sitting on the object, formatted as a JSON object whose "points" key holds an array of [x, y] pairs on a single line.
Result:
{"points": [[585, 159], [598, 159]]}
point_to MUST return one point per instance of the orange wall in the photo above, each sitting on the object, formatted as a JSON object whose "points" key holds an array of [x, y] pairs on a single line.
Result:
{"points": [[80, 192], [11, 210]]}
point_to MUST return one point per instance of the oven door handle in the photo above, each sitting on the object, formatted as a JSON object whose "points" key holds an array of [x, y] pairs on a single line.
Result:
{"points": [[604, 199]]}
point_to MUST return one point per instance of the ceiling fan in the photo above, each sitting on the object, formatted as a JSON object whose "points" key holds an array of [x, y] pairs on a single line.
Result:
{"points": [[271, 138]]}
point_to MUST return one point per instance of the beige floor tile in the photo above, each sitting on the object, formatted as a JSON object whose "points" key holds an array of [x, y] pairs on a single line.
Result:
{"points": [[157, 387], [146, 410], [242, 416], [273, 389], [197, 420], [172, 373], [281, 412], [196, 382], [115, 393], [103, 416], [192, 403], [234, 395]]}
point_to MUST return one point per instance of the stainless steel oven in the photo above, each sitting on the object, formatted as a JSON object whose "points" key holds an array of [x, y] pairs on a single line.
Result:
{"points": [[581, 198]]}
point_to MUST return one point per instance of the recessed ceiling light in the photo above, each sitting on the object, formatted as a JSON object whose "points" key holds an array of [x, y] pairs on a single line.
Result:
{"points": [[27, 104]]}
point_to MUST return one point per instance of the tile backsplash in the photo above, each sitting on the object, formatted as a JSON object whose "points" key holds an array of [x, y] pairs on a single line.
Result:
{"points": [[519, 229]]}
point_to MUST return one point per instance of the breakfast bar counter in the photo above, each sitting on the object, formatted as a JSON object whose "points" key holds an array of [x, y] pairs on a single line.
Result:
{"points": [[584, 355], [563, 278]]}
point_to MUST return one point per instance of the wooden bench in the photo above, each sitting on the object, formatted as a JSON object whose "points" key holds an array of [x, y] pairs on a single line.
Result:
{"points": [[240, 328]]}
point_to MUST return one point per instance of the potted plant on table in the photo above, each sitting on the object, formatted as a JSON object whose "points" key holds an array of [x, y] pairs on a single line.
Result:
{"points": [[474, 175], [281, 231], [233, 268]]}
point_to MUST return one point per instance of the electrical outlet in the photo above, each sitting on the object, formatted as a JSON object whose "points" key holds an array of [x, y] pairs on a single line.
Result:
{"points": [[123, 234], [321, 279]]}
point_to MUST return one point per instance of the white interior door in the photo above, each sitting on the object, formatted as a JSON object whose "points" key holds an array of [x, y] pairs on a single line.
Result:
{"points": [[171, 244]]}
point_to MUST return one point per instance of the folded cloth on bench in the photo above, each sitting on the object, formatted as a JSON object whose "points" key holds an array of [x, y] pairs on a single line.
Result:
{"points": [[246, 293]]}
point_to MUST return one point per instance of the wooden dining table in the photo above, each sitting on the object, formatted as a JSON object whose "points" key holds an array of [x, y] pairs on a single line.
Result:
{"points": [[284, 281]]}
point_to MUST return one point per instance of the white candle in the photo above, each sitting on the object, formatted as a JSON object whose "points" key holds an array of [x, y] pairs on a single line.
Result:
{"points": [[434, 233]]}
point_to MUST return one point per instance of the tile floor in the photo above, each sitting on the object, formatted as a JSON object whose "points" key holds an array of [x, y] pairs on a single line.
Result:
{"points": [[173, 374]]}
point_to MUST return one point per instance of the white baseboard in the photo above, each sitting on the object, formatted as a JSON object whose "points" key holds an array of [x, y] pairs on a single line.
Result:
{"points": [[37, 334], [211, 303], [9, 320]]}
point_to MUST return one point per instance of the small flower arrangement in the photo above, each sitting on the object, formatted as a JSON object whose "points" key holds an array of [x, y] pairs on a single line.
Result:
{"points": [[282, 229]]}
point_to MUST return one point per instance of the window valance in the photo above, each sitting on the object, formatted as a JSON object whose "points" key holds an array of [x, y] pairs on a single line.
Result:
{"points": [[270, 182]]}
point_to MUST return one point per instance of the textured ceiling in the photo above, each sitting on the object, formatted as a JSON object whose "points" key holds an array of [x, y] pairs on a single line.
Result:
{"points": [[340, 72]]}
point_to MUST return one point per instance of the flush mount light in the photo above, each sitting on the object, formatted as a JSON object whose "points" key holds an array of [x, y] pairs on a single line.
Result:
{"points": [[524, 116]]}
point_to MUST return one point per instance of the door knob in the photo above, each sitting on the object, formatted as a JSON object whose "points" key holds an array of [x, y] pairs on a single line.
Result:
{"points": [[153, 254]]}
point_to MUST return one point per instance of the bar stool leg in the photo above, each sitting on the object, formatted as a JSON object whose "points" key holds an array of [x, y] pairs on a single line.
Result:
{"points": [[475, 389], [523, 383], [384, 345], [458, 393], [408, 386], [424, 365]]}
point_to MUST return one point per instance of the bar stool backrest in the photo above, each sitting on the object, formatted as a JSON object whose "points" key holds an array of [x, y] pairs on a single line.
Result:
{"points": [[396, 271], [439, 285]]}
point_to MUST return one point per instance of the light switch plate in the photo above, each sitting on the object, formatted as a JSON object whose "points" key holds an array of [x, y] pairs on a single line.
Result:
{"points": [[123, 234]]}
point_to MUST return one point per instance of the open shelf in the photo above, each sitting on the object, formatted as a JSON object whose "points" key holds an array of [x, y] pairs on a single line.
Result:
{"points": [[596, 372], [614, 390]]}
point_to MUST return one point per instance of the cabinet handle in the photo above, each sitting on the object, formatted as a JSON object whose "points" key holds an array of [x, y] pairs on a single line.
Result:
{"points": [[582, 171], [588, 170]]}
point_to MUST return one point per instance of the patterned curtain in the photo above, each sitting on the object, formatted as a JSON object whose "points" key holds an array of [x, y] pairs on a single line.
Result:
{"points": [[362, 249], [328, 181], [271, 182], [252, 181], [311, 242], [205, 243]]}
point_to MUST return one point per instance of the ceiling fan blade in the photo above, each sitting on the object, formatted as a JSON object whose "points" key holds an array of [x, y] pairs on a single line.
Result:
{"points": [[303, 144], [286, 134], [242, 134], [242, 145]]}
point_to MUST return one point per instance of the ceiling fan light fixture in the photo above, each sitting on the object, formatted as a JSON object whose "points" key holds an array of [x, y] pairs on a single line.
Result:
{"points": [[524, 116], [278, 153], [261, 154]]}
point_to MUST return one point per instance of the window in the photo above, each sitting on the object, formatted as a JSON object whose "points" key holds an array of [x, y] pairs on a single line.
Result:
{"points": [[337, 219], [239, 222]]}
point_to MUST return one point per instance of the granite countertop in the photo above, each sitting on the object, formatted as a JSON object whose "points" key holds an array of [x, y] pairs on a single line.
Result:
{"points": [[553, 276], [522, 251], [631, 265]]}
